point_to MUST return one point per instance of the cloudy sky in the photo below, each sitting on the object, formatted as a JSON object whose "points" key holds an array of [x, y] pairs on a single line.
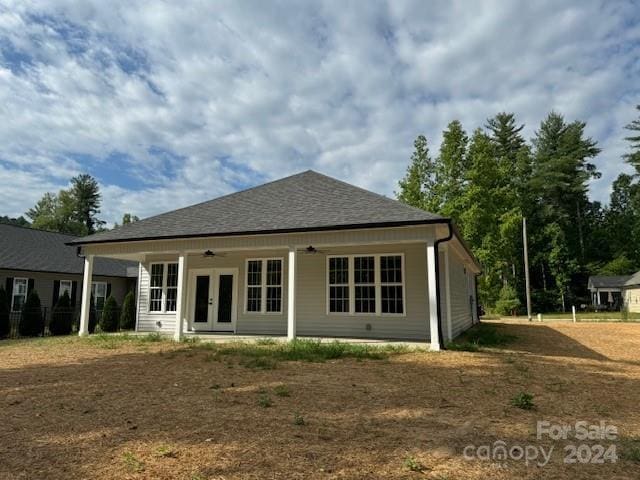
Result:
{"points": [[172, 103]]}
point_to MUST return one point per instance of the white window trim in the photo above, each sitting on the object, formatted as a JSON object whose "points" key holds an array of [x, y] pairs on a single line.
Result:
{"points": [[13, 290], [61, 291], [95, 297], [263, 286], [163, 297], [378, 286]]}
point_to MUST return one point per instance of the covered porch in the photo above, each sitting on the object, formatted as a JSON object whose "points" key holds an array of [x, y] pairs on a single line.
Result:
{"points": [[360, 285]]}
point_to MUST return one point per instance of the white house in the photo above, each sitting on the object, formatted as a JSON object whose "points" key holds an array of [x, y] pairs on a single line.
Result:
{"points": [[307, 255]]}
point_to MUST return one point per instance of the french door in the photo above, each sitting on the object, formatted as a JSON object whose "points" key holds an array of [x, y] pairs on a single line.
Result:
{"points": [[213, 302]]}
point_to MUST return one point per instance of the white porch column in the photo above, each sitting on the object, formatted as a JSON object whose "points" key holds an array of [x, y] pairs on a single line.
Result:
{"points": [[447, 286], [433, 299], [291, 294], [85, 309], [180, 297]]}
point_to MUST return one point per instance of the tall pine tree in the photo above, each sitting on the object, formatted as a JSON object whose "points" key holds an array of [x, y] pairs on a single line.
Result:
{"points": [[417, 186]]}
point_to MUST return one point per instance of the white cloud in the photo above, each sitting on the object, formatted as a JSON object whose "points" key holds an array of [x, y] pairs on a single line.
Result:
{"points": [[198, 99]]}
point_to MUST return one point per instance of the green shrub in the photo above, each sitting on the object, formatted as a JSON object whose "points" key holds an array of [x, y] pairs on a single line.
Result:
{"points": [[508, 301], [282, 391], [61, 316], [31, 320], [128, 314], [523, 400], [631, 449], [298, 419], [109, 318], [5, 325], [414, 465], [264, 401]]}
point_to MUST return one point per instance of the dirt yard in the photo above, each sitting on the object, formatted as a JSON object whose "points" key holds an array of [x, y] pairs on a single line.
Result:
{"points": [[72, 408]]}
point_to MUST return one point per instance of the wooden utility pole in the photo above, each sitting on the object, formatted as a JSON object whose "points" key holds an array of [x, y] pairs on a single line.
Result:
{"points": [[526, 267]]}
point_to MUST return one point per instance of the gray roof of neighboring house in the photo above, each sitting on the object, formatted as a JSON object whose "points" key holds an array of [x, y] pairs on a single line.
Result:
{"points": [[633, 280], [30, 249], [304, 202], [608, 281]]}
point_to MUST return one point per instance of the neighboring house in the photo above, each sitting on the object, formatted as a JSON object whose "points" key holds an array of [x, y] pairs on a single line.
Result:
{"points": [[305, 255], [631, 293], [36, 259], [606, 290]]}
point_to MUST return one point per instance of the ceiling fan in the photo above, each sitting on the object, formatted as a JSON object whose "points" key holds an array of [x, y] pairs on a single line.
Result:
{"points": [[211, 254], [311, 250]]}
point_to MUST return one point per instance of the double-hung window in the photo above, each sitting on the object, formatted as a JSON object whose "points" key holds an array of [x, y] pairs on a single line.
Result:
{"points": [[163, 287], [264, 285], [65, 286], [366, 284], [339, 284], [99, 292], [364, 274], [19, 295], [391, 288]]}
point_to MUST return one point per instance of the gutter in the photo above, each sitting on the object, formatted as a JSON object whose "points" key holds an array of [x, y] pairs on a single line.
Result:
{"points": [[436, 246]]}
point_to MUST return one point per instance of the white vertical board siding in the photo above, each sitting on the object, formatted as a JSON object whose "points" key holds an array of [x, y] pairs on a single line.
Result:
{"points": [[311, 308], [460, 306]]}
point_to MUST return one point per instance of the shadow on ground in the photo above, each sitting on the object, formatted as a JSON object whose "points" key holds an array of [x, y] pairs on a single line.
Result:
{"points": [[184, 412]]}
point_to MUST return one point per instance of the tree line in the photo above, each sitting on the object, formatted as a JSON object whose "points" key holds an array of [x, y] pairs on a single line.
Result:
{"points": [[73, 210], [489, 180]]}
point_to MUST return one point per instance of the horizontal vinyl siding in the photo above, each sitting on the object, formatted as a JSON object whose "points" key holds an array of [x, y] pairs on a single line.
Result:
{"points": [[460, 307], [311, 306], [247, 323], [152, 322], [312, 318], [632, 299], [43, 284]]}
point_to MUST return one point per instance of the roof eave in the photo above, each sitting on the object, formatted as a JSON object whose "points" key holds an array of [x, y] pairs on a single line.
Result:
{"points": [[356, 226]]}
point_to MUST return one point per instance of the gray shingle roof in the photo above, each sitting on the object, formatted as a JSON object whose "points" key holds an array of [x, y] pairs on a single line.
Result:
{"points": [[608, 281], [38, 250], [633, 280], [306, 201]]}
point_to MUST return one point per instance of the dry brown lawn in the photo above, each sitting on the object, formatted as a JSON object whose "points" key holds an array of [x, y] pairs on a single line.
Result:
{"points": [[71, 408]]}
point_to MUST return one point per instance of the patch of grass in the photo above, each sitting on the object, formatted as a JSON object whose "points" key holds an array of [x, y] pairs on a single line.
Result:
{"points": [[524, 401], [266, 341], [303, 350], [117, 340], [151, 338], [165, 451], [298, 419], [480, 336], [282, 391], [262, 363], [414, 465], [630, 449], [264, 401], [132, 462], [463, 347], [190, 340]]}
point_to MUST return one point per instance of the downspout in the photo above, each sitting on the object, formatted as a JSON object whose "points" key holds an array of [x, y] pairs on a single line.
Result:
{"points": [[436, 246]]}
